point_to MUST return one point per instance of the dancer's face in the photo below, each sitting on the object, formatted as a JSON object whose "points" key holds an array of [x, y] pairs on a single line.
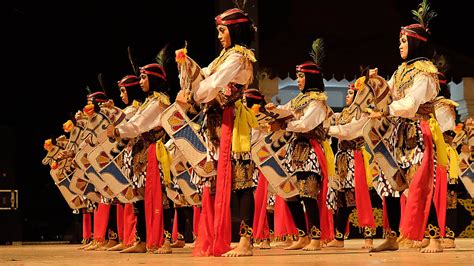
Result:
{"points": [[301, 80], [403, 47], [124, 95], [144, 82], [350, 97], [224, 36]]}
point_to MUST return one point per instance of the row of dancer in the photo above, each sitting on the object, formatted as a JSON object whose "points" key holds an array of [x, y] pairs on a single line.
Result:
{"points": [[226, 130]]}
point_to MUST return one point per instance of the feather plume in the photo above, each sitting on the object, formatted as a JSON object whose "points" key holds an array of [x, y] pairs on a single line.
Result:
{"points": [[101, 82], [130, 58], [440, 62], [317, 51], [163, 57], [88, 90], [240, 4], [423, 15]]}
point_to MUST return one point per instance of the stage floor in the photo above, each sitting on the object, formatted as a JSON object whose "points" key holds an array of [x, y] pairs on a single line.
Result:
{"points": [[351, 254]]}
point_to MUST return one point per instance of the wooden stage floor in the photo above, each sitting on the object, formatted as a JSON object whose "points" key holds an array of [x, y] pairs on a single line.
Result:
{"points": [[67, 254]]}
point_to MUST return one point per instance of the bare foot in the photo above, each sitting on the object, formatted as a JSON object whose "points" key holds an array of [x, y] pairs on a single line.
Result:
{"points": [[178, 244], [421, 244], [335, 244], [265, 244], [389, 244], [165, 249], [433, 247], [120, 246], [408, 243], [138, 247], [448, 243], [110, 243], [368, 243], [313, 245], [287, 242], [325, 242], [301, 243], [95, 246], [244, 248], [87, 245]]}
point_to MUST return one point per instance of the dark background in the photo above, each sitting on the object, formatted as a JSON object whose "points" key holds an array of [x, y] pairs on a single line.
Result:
{"points": [[53, 50]]}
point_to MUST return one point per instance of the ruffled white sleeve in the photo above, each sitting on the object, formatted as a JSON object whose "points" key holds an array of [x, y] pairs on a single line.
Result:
{"points": [[314, 114], [129, 111], [423, 90], [143, 121], [350, 130], [227, 72]]}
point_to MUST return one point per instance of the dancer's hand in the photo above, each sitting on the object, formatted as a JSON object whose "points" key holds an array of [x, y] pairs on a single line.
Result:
{"points": [[111, 131], [375, 115], [373, 72], [270, 106]]}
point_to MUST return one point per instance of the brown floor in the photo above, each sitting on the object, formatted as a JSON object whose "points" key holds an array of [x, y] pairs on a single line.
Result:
{"points": [[68, 254]]}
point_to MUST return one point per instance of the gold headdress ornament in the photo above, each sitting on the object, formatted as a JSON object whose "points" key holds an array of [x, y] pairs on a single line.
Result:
{"points": [[423, 15]]}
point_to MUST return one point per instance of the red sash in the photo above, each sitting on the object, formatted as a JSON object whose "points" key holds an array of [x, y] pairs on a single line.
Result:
{"points": [[205, 230], [420, 193], [325, 216], [260, 222], [130, 222], [153, 202], [284, 224], [86, 226], [120, 221], [101, 220], [365, 215]]}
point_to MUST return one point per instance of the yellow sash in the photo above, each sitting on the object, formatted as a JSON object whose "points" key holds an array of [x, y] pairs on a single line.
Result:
{"points": [[329, 158], [163, 156], [368, 169], [244, 120], [453, 162], [438, 139]]}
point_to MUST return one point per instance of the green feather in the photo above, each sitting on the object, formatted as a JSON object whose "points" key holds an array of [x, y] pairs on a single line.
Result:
{"points": [[163, 57], [423, 15], [317, 51]]}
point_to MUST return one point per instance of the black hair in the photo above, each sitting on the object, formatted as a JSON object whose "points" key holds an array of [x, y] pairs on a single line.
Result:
{"points": [[257, 98], [418, 48], [313, 81], [242, 33]]}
